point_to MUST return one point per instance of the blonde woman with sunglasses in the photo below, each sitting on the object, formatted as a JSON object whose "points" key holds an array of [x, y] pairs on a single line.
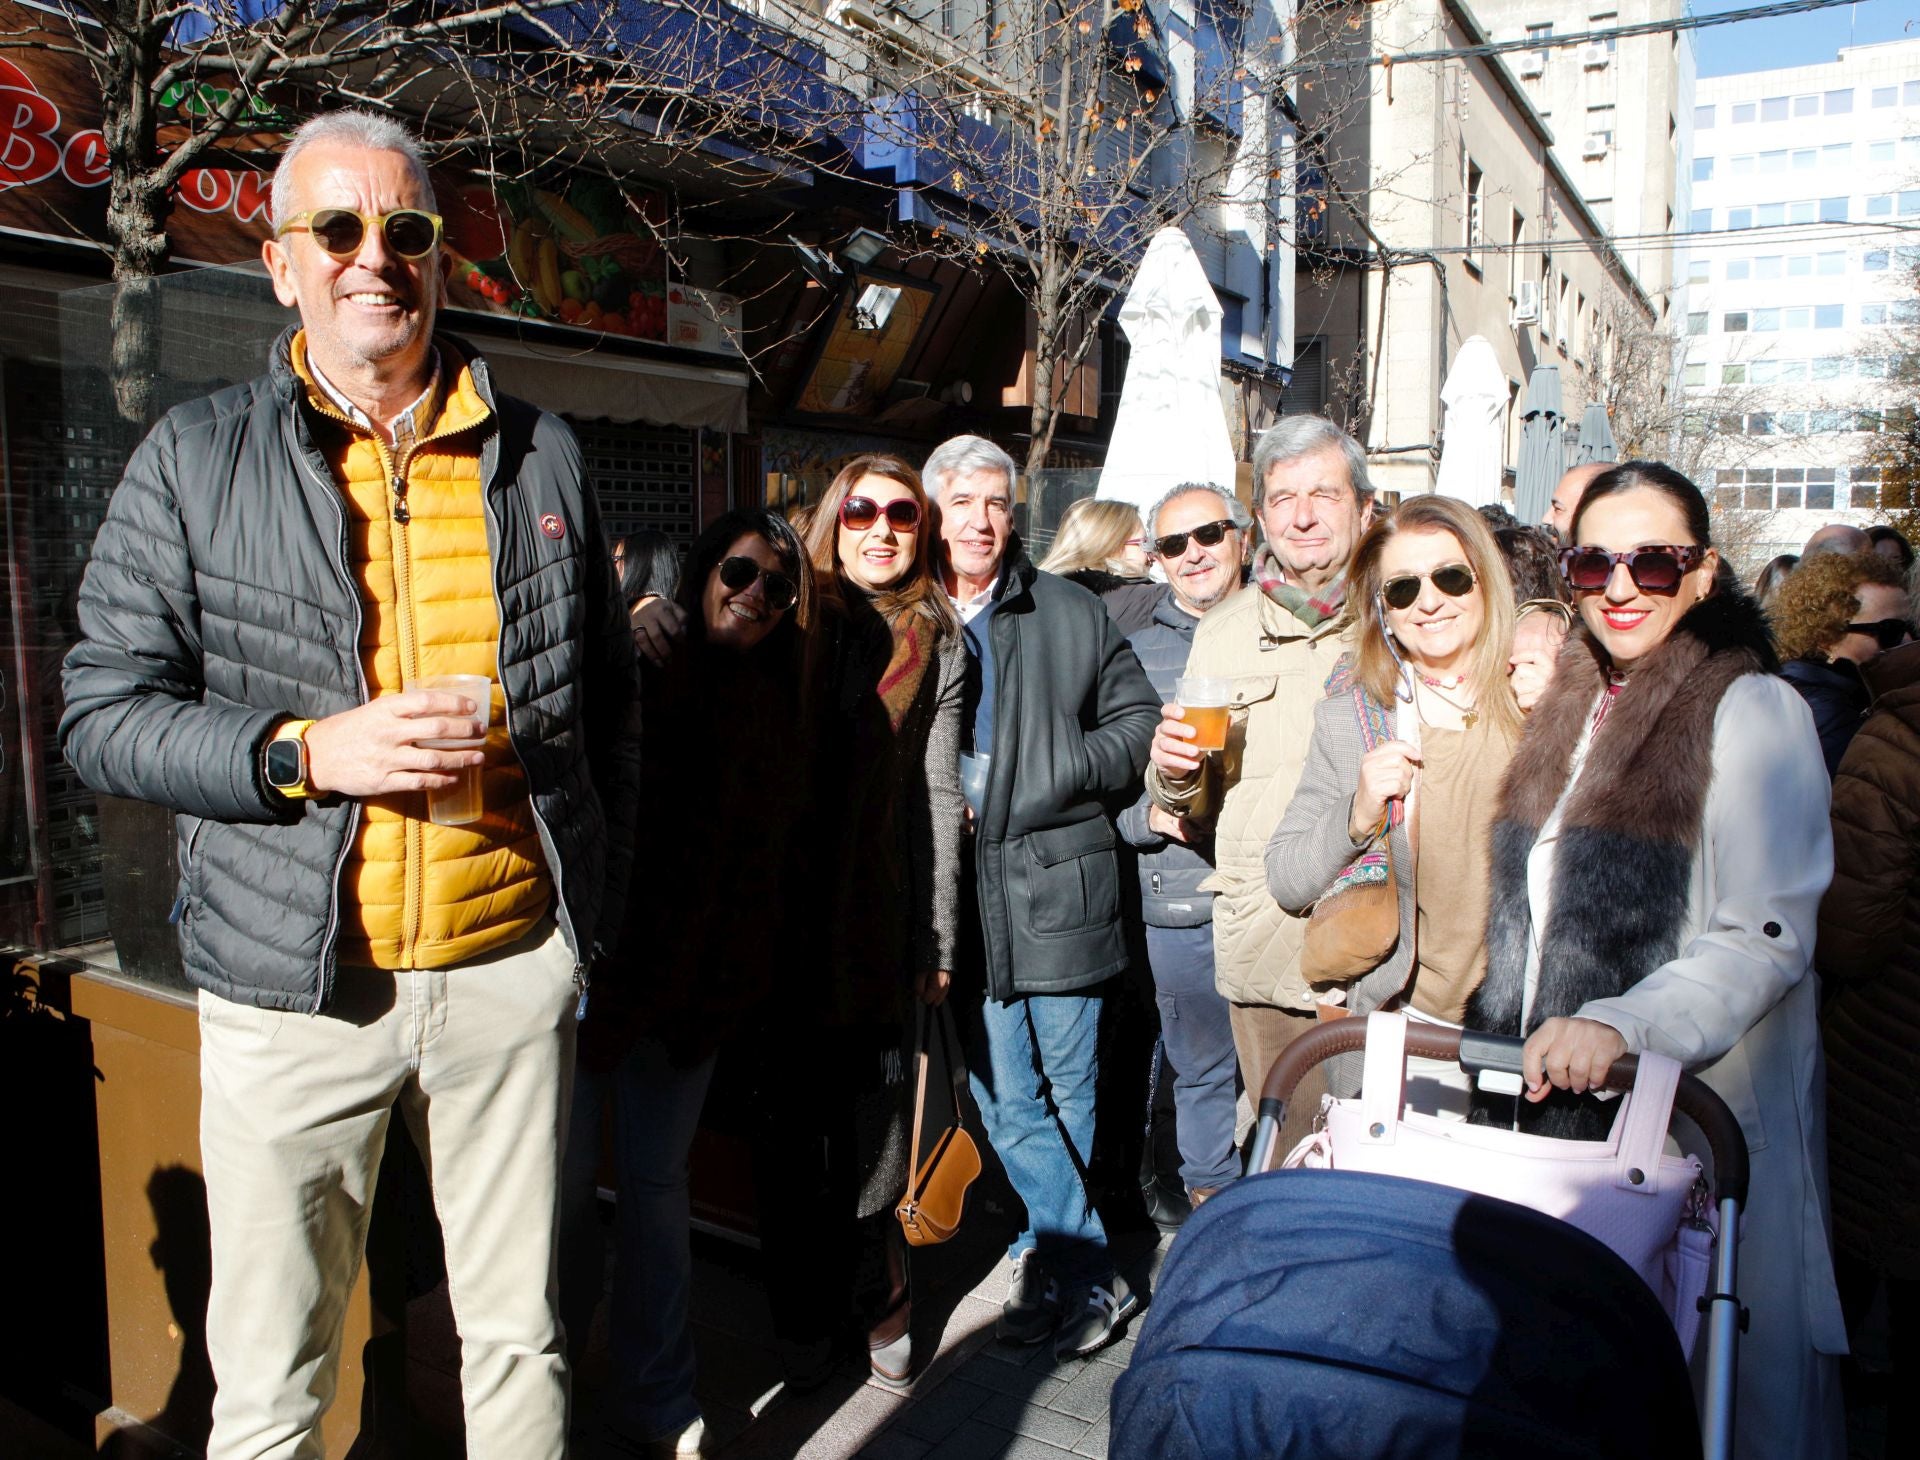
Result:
{"points": [[1405, 765]]}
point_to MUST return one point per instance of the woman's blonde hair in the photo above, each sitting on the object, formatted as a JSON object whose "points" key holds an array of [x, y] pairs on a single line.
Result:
{"points": [[921, 590], [1813, 605], [1374, 662], [1092, 534]]}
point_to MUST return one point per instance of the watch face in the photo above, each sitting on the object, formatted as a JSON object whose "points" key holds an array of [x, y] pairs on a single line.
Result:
{"points": [[285, 763]]}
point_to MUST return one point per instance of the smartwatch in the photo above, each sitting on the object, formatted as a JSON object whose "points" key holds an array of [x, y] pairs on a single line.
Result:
{"points": [[286, 760]]}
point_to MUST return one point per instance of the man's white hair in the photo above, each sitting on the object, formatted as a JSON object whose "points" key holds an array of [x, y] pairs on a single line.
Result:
{"points": [[961, 456], [1231, 507], [353, 128]]}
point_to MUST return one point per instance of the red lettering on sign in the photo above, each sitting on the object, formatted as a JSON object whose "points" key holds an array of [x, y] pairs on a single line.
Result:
{"points": [[28, 153], [206, 189], [252, 195], [85, 163]]}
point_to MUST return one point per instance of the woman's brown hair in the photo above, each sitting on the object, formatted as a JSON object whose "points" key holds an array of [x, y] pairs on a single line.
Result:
{"points": [[1374, 662], [920, 591], [1813, 605]]}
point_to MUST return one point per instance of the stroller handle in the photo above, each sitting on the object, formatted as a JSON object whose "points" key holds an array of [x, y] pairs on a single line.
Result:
{"points": [[1475, 1051]]}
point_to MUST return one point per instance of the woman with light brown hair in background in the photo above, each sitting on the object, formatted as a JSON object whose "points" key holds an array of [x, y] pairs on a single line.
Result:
{"points": [[1831, 616], [1405, 765], [1102, 546]]}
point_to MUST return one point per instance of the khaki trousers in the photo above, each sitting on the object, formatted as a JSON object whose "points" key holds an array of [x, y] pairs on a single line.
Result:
{"points": [[1260, 1032], [293, 1120]]}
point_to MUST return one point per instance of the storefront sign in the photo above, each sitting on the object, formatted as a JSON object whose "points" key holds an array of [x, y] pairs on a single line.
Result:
{"points": [[569, 249]]}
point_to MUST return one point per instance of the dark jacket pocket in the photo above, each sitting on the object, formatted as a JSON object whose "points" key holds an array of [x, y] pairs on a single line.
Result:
{"points": [[1073, 877]]}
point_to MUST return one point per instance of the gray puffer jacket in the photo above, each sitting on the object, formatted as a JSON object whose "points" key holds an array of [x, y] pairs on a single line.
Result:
{"points": [[220, 603], [1170, 872], [1073, 718]]}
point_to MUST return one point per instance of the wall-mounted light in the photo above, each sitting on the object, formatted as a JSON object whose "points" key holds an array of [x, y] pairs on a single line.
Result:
{"points": [[874, 307], [863, 247], [818, 266]]}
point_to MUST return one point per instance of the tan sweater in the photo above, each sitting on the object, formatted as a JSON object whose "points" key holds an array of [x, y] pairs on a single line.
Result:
{"points": [[1460, 779]]}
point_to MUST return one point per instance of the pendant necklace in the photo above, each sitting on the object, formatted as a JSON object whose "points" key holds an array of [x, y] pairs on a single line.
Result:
{"points": [[1439, 687]]}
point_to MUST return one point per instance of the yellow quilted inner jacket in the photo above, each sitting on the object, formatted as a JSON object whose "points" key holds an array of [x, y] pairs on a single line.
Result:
{"points": [[412, 894]]}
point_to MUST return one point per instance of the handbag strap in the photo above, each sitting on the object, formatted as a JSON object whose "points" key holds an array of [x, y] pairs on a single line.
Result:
{"points": [[919, 1094], [1640, 1130]]}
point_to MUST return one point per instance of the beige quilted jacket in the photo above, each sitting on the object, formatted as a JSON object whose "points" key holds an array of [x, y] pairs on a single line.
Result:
{"points": [[1278, 667]]}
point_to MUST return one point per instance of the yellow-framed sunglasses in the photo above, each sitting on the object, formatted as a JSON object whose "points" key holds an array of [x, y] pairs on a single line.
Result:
{"points": [[410, 233]]}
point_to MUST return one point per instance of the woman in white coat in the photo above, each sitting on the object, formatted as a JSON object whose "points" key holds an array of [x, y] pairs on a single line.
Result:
{"points": [[1659, 855]]}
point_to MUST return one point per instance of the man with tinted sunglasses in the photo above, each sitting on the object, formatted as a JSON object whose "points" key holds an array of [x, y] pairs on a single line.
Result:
{"points": [[1200, 535], [281, 566], [1062, 707]]}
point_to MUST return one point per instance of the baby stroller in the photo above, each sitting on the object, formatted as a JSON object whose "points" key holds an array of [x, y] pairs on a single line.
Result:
{"points": [[1348, 1311]]}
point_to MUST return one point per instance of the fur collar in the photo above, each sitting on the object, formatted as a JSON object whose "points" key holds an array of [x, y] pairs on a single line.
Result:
{"points": [[1628, 833]]}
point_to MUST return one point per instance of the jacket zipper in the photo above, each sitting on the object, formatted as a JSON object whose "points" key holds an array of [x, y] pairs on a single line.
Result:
{"points": [[413, 867], [342, 563], [582, 977], [179, 908]]}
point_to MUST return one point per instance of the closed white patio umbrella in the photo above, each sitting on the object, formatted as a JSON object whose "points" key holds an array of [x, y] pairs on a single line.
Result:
{"points": [[1472, 454]]}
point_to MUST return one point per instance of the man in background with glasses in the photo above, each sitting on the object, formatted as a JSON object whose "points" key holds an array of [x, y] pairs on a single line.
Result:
{"points": [[1201, 536], [1061, 714], [282, 564]]}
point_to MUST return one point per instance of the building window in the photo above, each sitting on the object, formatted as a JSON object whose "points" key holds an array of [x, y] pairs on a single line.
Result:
{"points": [[1837, 154], [1693, 375], [1830, 367], [1806, 159], [1703, 119], [1909, 203], [1910, 93], [1738, 269], [1703, 169], [1873, 261], [1797, 318], [1834, 262], [1880, 205], [1767, 320], [1768, 267], [1699, 271], [1880, 151], [1735, 323], [1516, 261], [1604, 20], [1742, 112], [1700, 220], [1801, 211], [1800, 266], [1773, 161], [1773, 109], [1839, 103], [1885, 96], [1742, 166], [1739, 218], [1733, 375], [1476, 184], [1834, 210], [1697, 323], [1873, 314], [1820, 488]]}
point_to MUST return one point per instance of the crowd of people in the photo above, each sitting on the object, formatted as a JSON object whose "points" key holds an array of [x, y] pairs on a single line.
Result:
{"points": [[829, 774]]}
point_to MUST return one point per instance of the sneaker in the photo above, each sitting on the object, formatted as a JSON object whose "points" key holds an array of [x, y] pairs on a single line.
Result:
{"points": [[1097, 1322], [890, 1347], [1032, 1309]]}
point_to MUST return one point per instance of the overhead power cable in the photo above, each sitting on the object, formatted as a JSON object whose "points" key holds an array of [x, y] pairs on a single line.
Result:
{"points": [[1669, 26]]}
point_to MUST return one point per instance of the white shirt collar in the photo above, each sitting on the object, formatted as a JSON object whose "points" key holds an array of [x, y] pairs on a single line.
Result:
{"points": [[407, 426], [969, 608]]}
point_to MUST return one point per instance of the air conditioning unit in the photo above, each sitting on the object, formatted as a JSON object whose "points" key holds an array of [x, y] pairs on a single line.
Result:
{"points": [[1594, 56], [1526, 303], [1533, 63], [1595, 145]]}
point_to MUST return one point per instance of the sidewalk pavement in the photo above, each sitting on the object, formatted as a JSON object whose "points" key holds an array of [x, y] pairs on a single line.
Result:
{"points": [[974, 1399]]}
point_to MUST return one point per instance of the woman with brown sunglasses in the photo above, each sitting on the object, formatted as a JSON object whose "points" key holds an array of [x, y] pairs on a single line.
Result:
{"points": [[1659, 855], [1403, 769], [877, 924], [723, 817]]}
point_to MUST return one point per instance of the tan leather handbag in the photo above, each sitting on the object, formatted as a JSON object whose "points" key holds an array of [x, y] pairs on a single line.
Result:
{"points": [[936, 1196]]}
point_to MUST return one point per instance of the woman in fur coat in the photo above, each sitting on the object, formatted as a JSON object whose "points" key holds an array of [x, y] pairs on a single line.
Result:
{"points": [[1659, 853]]}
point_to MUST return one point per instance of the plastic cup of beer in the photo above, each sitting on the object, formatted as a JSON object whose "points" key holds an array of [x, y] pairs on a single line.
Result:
{"points": [[1203, 704], [460, 803]]}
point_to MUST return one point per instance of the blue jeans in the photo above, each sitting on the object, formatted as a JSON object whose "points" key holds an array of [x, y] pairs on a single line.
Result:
{"points": [[655, 1108], [1032, 1065], [1198, 1033]]}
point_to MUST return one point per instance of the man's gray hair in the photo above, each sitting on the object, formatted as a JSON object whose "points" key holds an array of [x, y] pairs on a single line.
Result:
{"points": [[961, 456], [1231, 507], [1292, 437], [352, 128]]}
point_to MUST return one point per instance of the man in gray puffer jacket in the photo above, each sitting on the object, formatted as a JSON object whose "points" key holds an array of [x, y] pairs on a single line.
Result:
{"points": [[1199, 534], [281, 566]]}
